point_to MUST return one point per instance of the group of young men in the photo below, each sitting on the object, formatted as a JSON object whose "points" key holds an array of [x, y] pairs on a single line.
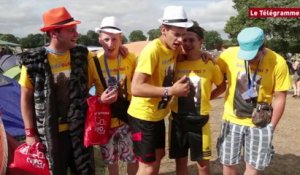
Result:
{"points": [[169, 78]]}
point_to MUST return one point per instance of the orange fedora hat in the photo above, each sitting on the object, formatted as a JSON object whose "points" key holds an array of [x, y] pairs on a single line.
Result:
{"points": [[57, 18]]}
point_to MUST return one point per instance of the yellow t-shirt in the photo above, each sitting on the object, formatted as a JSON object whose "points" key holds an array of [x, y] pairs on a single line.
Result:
{"points": [[272, 75], [202, 76], [157, 61], [61, 68], [126, 70]]}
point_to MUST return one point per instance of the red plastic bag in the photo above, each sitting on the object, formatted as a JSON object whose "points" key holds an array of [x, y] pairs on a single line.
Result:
{"points": [[31, 159], [97, 123]]}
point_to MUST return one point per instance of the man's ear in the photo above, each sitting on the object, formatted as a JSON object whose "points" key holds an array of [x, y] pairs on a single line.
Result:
{"points": [[163, 29], [53, 34], [100, 40]]}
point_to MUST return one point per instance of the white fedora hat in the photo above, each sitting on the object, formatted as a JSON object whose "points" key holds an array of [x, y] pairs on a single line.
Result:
{"points": [[175, 16], [109, 24]]}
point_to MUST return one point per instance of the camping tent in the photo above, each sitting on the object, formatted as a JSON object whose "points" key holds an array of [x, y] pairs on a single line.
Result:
{"points": [[6, 43], [9, 66], [136, 47], [10, 106]]}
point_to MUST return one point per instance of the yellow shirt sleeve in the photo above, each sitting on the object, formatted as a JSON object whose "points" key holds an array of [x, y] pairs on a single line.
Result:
{"points": [[217, 75], [24, 80], [282, 77]]}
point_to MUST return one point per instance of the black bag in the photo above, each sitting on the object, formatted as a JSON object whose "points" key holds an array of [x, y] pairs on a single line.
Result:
{"points": [[119, 109], [191, 122], [262, 114]]}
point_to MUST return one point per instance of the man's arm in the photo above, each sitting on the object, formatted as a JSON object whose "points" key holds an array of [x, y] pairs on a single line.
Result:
{"points": [[218, 90], [27, 111], [278, 107], [142, 88]]}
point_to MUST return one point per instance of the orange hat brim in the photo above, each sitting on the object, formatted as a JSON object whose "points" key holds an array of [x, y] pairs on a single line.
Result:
{"points": [[47, 28]]}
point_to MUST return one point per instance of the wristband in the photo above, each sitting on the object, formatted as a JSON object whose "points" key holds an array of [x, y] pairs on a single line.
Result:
{"points": [[166, 94], [30, 132]]}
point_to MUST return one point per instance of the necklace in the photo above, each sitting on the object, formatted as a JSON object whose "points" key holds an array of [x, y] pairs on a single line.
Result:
{"points": [[54, 51]]}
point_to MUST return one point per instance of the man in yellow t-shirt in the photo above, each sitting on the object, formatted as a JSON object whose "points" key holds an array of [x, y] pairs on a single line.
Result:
{"points": [[54, 87], [190, 127], [255, 75], [152, 86], [117, 71]]}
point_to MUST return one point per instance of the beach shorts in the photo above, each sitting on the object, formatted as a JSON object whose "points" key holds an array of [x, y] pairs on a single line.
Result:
{"points": [[119, 146], [147, 136], [183, 139], [256, 143]]}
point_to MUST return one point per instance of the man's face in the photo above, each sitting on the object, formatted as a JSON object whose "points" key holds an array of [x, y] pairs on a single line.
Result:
{"points": [[172, 36], [67, 37], [191, 42], [111, 43], [260, 54]]}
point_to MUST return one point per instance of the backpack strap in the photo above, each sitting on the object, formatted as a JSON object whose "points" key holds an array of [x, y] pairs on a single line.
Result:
{"points": [[98, 67]]}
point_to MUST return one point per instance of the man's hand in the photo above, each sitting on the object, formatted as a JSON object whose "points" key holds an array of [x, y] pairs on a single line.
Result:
{"points": [[32, 140], [181, 87], [109, 96], [206, 56]]}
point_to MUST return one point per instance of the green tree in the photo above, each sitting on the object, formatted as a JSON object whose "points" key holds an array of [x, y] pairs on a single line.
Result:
{"points": [[9, 38], [137, 35], [212, 40], [153, 33], [278, 30], [124, 39], [84, 40], [93, 38], [33, 41]]}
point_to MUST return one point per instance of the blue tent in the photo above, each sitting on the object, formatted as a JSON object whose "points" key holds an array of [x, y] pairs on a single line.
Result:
{"points": [[10, 106]]}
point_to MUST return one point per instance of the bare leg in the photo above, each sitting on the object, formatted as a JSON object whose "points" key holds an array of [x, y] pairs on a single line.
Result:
{"points": [[132, 168], [298, 88], [113, 169], [181, 166], [153, 167], [229, 170], [203, 167], [250, 170]]}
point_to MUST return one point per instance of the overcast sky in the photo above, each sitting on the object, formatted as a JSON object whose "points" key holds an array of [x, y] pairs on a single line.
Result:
{"points": [[23, 17]]}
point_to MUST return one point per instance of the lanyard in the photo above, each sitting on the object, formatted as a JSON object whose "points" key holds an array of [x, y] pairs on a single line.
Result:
{"points": [[110, 80], [247, 67]]}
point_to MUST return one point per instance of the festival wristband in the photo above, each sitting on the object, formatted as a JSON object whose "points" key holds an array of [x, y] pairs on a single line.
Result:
{"points": [[30, 132], [166, 94]]}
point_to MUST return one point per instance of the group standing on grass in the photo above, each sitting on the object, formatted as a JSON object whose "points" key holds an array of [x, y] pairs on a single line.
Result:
{"points": [[166, 80]]}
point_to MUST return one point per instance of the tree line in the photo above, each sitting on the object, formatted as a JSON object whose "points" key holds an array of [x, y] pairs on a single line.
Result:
{"points": [[282, 34], [214, 40]]}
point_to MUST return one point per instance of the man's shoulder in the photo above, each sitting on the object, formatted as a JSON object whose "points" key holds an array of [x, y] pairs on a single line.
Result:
{"points": [[229, 54], [274, 57], [152, 46]]}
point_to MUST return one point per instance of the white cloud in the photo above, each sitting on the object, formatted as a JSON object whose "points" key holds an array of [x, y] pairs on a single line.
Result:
{"points": [[214, 15], [24, 17]]}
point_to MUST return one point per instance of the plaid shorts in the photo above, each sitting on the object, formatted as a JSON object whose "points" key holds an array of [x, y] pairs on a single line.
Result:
{"points": [[257, 144], [119, 146]]}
